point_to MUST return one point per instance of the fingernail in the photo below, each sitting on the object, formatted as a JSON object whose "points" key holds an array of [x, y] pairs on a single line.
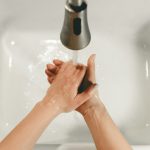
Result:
{"points": [[93, 57]]}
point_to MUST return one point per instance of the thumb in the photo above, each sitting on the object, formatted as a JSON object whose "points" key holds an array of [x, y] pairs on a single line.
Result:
{"points": [[84, 96], [91, 68]]}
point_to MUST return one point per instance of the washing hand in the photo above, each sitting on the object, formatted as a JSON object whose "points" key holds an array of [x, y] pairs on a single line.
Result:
{"points": [[89, 79], [72, 88], [66, 79]]}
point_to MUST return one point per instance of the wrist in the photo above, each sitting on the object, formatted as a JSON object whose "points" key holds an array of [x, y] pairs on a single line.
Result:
{"points": [[51, 101], [50, 106], [91, 104], [96, 108]]}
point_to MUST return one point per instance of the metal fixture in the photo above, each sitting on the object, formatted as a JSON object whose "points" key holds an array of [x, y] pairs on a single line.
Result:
{"points": [[75, 33]]}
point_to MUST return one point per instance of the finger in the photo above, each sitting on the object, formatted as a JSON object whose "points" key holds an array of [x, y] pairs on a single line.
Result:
{"points": [[69, 68], [50, 80], [80, 73], [51, 66], [64, 66], [53, 69], [49, 73], [58, 62], [78, 67], [91, 68], [86, 95]]}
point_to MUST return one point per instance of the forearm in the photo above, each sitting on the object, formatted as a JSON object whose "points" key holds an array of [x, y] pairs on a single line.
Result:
{"points": [[26, 133], [105, 133]]}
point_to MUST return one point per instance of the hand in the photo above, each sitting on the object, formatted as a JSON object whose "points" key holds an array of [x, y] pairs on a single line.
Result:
{"points": [[66, 79], [89, 78]]}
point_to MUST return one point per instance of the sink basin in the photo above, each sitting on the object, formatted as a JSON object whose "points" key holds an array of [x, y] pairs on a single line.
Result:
{"points": [[77, 146], [29, 39], [84, 146]]}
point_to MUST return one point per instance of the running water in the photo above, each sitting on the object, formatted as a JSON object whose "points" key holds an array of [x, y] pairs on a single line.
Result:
{"points": [[75, 56]]}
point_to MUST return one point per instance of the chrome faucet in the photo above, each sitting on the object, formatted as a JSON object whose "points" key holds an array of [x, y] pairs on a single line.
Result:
{"points": [[75, 33], [76, 2]]}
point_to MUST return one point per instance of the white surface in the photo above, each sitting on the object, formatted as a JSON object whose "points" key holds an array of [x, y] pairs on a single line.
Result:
{"points": [[29, 39], [78, 146]]}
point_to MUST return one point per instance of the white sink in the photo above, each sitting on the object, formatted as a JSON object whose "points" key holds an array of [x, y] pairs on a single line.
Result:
{"points": [[29, 39], [84, 146]]}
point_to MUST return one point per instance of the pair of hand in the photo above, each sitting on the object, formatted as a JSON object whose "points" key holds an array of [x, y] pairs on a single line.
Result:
{"points": [[72, 85]]}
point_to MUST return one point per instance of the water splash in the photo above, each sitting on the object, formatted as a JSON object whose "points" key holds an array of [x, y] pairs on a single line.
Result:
{"points": [[47, 52]]}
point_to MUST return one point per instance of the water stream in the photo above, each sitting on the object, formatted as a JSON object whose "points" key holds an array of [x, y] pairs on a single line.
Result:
{"points": [[75, 56]]}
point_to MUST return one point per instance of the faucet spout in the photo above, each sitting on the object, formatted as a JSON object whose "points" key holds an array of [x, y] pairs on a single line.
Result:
{"points": [[75, 33], [76, 2]]}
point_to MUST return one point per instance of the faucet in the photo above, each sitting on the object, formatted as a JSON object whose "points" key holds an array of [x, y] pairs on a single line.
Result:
{"points": [[76, 2], [75, 34]]}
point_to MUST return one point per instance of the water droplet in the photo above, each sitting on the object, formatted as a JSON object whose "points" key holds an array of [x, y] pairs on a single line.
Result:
{"points": [[147, 69], [147, 125], [12, 43], [10, 62], [6, 124]]}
